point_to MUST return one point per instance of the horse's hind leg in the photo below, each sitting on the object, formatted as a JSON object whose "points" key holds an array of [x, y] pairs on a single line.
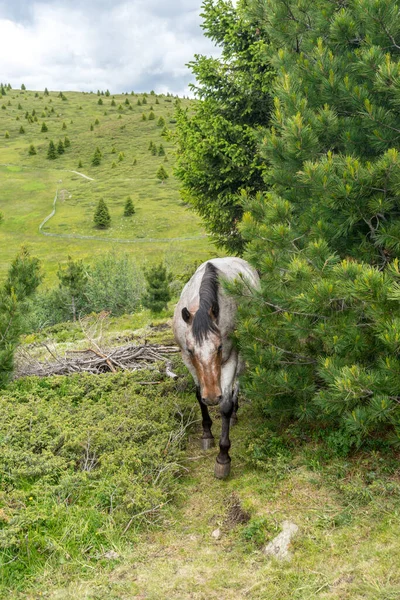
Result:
{"points": [[235, 400], [207, 439]]}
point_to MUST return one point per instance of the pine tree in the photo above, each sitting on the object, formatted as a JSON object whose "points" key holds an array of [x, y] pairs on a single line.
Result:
{"points": [[46, 91], [23, 88], [127, 102], [60, 147], [80, 165], [102, 218], [44, 128], [91, 127], [64, 126], [96, 160], [139, 102], [73, 279], [162, 174], [320, 337], [7, 135], [144, 118], [161, 151], [21, 129], [152, 116], [158, 293], [100, 101], [129, 208], [120, 156], [161, 122], [22, 280], [32, 150], [67, 142], [51, 152], [97, 122]]}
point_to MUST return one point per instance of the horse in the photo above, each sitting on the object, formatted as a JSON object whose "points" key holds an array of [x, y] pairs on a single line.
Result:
{"points": [[203, 322]]}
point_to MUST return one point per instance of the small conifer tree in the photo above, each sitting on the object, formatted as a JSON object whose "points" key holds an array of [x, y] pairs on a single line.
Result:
{"points": [[158, 293], [96, 160], [91, 127], [127, 101], [21, 129], [97, 122], [23, 88], [144, 101], [51, 151], [100, 101], [80, 165], [32, 150], [113, 150], [144, 118], [44, 128], [161, 151], [64, 126], [129, 208], [67, 142], [120, 156], [60, 147], [139, 102], [113, 103], [46, 91], [161, 122], [152, 116], [6, 135], [162, 174], [102, 218]]}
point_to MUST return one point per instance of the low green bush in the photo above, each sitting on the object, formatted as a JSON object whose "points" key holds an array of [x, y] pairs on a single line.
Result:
{"points": [[81, 458]]}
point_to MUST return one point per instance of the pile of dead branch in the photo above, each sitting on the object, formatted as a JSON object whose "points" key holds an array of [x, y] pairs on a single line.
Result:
{"points": [[95, 358]]}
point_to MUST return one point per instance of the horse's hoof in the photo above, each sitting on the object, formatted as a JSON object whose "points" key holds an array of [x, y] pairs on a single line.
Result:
{"points": [[233, 420], [222, 470], [207, 443]]}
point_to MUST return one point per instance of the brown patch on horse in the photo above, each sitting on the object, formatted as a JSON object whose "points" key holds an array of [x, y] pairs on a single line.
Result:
{"points": [[209, 377]]}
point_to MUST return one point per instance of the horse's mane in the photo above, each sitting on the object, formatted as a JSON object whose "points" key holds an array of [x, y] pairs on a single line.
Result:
{"points": [[208, 293]]}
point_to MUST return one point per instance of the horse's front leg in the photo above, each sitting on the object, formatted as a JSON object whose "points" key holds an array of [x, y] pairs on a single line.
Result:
{"points": [[207, 439], [223, 462], [235, 401]]}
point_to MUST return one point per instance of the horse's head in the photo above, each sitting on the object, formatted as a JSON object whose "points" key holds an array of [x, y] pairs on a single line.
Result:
{"points": [[203, 348]]}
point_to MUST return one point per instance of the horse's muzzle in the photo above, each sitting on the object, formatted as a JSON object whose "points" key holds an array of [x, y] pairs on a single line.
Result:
{"points": [[211, 402]]}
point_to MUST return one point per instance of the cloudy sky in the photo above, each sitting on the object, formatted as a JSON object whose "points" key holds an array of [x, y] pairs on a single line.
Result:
{"points": [[137, 45]]}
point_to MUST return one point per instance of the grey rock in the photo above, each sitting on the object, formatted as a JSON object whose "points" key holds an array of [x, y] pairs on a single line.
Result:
{"points": [[216, 534], [279, 546]]}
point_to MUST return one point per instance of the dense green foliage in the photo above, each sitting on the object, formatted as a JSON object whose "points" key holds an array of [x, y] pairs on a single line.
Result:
{"points": [[112, 283], [218, 143], [80, 457], [158, 293], [22, 281], [321, 338]]}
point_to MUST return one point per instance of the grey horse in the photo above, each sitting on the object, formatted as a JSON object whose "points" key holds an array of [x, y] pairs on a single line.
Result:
{"points": [[204, 320]]}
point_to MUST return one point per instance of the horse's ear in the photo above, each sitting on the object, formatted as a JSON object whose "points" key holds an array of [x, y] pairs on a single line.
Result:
{"points": [[186, 316], [214, 311]]}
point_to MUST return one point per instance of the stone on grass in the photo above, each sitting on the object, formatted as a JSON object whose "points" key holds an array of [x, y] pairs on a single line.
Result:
{"points": [[216, 534], [279, 546]]}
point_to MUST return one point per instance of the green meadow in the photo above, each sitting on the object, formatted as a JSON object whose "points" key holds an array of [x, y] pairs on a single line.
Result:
{"points": [[162, 227]]}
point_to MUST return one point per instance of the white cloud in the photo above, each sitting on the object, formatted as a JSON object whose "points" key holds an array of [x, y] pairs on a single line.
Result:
{"points": [[140, 45]]}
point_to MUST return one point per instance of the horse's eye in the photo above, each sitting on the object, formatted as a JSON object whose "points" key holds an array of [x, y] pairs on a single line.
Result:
{"points": [[219, 350], [190, 351]]}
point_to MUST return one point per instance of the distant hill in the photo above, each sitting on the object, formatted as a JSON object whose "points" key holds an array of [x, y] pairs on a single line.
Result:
{"points": [[134, 135]]}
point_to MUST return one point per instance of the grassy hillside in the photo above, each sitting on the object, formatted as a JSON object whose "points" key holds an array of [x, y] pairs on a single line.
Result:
{"points": [[162, 226]]}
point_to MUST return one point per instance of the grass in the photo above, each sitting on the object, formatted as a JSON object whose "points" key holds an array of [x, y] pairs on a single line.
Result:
{"points": [[347, 507], [162, 227]]}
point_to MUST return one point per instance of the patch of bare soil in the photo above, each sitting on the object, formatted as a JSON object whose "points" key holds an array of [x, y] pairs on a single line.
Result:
{"points": [[235, 515]]}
